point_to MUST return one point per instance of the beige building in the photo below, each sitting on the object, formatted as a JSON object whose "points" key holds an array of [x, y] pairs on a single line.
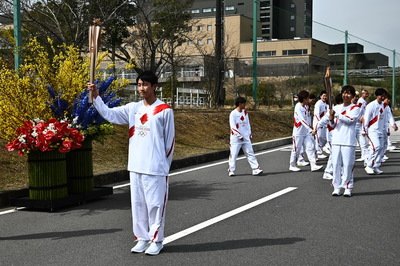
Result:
{"points": [[290, 57]]}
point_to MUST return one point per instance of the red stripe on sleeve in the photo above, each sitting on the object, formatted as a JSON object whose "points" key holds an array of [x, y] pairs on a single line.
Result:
{"points": [[131, 131], [160, 108]]}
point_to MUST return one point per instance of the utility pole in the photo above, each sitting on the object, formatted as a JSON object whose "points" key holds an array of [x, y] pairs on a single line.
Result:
{"points": [[346, 37], [219, 57], [254, 90], [17, 33], [394, 80]]}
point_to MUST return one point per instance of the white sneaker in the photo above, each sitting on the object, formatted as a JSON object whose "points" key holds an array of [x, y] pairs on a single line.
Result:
{"points": [[347, 192], [369, 170], [257, 171], [326, 149], [302, 163], [377, 171], [327, 176], [230, 173], [141, 246], [154, 248], [316, 167], [322, 156], [390, 148], [361, 159], [294, 168], [336, 192], [385, 157]]}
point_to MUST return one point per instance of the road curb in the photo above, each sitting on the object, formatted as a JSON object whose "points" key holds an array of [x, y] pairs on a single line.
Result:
{"points": [[123, 175]]}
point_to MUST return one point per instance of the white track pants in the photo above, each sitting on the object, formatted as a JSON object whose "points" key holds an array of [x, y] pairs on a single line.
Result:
{"points": [[248, 151], [149, 196], [306, 141], [363, 143], [320, 139], [376, 144], [384, 146], [343, 158], [329, 166]]}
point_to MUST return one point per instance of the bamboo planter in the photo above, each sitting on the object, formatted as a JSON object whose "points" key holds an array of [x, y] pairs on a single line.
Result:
{"points": [[79, 165], [47, 175], [58, 180]]}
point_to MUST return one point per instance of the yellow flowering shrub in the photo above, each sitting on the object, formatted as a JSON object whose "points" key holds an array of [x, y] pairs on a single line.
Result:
{"points": [[24, 95]]}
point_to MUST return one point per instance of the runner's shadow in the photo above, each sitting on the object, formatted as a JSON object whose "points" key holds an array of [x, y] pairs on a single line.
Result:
{"points": [[233, 244], [183, 190], [385, 175], [62, 235], [374, 193]]}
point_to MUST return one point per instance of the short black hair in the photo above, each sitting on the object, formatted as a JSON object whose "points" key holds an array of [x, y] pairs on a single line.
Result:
{"points": [[303, 95], [322, 92], [148, 76], [380, 92], [350, 89], [239, 100], [338, 99]]}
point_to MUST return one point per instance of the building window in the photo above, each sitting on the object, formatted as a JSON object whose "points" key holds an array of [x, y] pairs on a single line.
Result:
{"points": [[265, 31], [266, 53], [291, 28], [230, 8], [195, 11], [295, 52], [199, 28], [209, 41], [207, 10], [292, 17], [209, 27]]}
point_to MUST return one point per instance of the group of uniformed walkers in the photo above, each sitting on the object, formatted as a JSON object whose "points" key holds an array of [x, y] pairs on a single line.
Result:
{"points": [[337, 131]]}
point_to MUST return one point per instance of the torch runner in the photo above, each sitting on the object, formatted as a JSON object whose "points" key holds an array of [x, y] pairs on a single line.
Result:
{"points": [[328, 85], [94, 42]]}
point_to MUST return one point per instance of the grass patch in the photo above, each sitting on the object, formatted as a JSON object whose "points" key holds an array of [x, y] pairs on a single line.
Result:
{"points": [[197, 132]]}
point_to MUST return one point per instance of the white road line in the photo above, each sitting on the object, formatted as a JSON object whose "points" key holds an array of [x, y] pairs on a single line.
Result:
{"points": [[12, 210], [224, 216], [208, 165]]}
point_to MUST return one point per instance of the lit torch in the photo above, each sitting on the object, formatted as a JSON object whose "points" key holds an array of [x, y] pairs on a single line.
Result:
{"points": [[94, 43]]}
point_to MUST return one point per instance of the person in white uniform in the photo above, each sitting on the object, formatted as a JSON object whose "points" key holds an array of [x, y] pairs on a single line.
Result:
{"points": [[343, 118], [320, 110], [151, 146], [240, 138], [324, 121], [361, 138], [374, 129], [302, 135], [389, 122]]}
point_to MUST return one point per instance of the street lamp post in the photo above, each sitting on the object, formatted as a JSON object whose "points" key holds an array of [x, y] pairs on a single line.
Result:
{"points": [[254, 89], [394, 104], [17, 33]]}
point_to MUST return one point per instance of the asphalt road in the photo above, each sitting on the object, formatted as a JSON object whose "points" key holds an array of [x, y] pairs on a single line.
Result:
{"points": [[293, 220]]}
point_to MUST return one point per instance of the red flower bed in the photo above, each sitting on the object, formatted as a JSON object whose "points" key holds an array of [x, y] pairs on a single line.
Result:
{"points": [[45, 136]]}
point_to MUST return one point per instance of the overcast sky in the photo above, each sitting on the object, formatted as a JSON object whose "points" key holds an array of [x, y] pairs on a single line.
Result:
{"points": [[371, 20]]}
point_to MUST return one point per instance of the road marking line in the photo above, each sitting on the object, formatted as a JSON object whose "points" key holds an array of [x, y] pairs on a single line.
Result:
{"points": [[208, 165], [12, 210], [224, 216]]}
